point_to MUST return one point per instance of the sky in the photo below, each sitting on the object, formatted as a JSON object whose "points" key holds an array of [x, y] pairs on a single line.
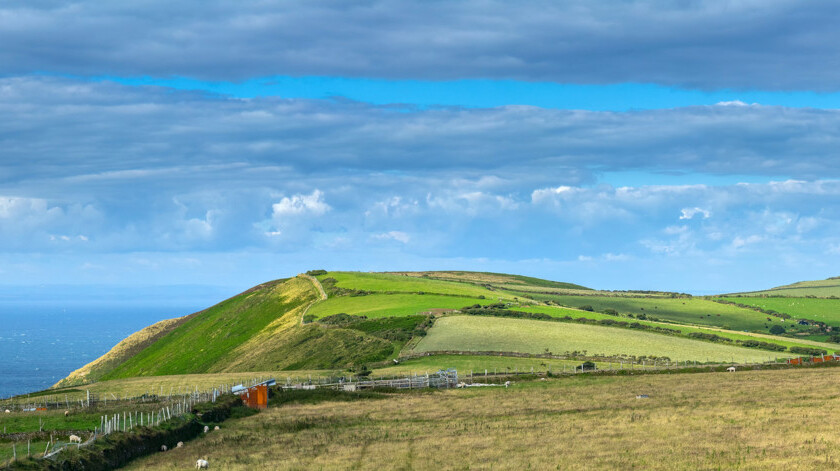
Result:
{"points": [[688, 146]]}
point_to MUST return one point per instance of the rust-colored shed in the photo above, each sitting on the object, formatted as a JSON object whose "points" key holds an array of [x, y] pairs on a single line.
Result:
{"points": [[256, 396]]}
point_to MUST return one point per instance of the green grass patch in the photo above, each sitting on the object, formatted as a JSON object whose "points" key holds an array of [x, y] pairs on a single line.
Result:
{"points": [[469, 333], [556, 311], [390, 305], [20, 422], [476, 364], [820, 288], [818, 309], [681, 310], [386, 283]]}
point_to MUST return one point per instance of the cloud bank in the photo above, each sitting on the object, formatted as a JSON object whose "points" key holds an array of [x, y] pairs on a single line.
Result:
{"points": [[778, 45]]}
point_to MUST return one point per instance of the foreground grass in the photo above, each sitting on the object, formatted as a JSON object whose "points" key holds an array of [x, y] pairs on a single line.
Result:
{"points": [[474, 333], [747, 420]]}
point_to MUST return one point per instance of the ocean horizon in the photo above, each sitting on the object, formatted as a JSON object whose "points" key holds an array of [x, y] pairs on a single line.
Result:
{"points": [[42, 342]]}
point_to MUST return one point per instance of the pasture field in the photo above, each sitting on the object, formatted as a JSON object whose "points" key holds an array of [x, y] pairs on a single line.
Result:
{"points": [[477, 364], [495, 279], [783, 419], [696, 311], [385, 283], [390, 305], [818, 309], [556, 311], [7, 451], [473, 333], [819, 288]]}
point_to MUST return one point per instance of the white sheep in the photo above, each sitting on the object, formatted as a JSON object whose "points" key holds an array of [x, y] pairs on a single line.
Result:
{"points": [[206, 429], [202, 464], [731, 369], [179, 445], [75, 439], [66, 413], [163, 448], [8, 411], [216, 428], [507, 384]]}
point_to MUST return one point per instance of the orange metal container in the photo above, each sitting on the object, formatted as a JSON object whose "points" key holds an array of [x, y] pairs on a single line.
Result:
{"points": [[256, 397]]}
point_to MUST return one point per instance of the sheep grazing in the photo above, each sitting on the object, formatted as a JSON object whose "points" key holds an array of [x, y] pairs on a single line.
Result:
{"points": [[507, 384], [75, 439], [66, 413], [163, 448], [206, 429], [179, 445], [202, 464], [731, 369], [8, 411], [216, 428]]}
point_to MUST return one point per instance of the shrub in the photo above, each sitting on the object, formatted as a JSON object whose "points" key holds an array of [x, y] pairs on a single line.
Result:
{"points": [[777, 330], [807, 351], [610, 312], [316, 272], [586, 307], [587, 366], [762, 345]]}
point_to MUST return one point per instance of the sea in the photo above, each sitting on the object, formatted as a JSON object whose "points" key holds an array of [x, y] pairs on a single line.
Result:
{"points": [[42, 342]]}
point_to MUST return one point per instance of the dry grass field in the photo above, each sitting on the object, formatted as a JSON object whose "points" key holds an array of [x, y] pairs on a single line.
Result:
{"points": [[784, 419]]}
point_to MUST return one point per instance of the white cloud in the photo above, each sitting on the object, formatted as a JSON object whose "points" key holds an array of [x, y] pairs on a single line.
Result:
{"points": [[301, 204], [740, 242], [551, 194], [732, 103], [689, 213], [472, 203], [393, 235]]}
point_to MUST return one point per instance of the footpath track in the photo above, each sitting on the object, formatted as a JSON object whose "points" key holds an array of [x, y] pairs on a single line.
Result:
{"points": [[319, 287]]}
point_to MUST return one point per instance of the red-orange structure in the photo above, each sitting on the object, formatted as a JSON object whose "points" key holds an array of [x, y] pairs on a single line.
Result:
{"points": [[819, 359], [256, 396]]}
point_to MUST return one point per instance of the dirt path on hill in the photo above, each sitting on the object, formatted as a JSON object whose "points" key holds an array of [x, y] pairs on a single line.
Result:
{"points": [[320, 289]]}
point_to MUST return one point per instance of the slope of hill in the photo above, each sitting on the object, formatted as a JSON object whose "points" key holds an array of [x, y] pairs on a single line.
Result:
{"points": [[371, 317], [256, 330], [819, 288]]}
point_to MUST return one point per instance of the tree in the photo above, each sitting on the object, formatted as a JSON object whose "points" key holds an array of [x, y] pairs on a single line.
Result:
{"points": [[777, 330]]}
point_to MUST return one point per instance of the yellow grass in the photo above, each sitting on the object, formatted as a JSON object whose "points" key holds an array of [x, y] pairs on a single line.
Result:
{"points": [[783, 420]]}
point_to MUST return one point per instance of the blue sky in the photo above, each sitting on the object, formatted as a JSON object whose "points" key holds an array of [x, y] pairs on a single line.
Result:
{"points": [[687, 146]]}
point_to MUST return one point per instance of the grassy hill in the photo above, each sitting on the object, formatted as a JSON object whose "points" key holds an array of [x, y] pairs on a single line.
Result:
{"points": [[820, 288], [372, 317]]}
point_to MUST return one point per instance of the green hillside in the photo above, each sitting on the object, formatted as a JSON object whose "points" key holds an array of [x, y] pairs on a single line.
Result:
{"points": [[370, 318], [820, 288], [818, 309]]}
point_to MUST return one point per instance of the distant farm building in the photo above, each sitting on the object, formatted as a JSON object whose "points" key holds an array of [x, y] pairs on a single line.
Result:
{"points": [[256, 396]]}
